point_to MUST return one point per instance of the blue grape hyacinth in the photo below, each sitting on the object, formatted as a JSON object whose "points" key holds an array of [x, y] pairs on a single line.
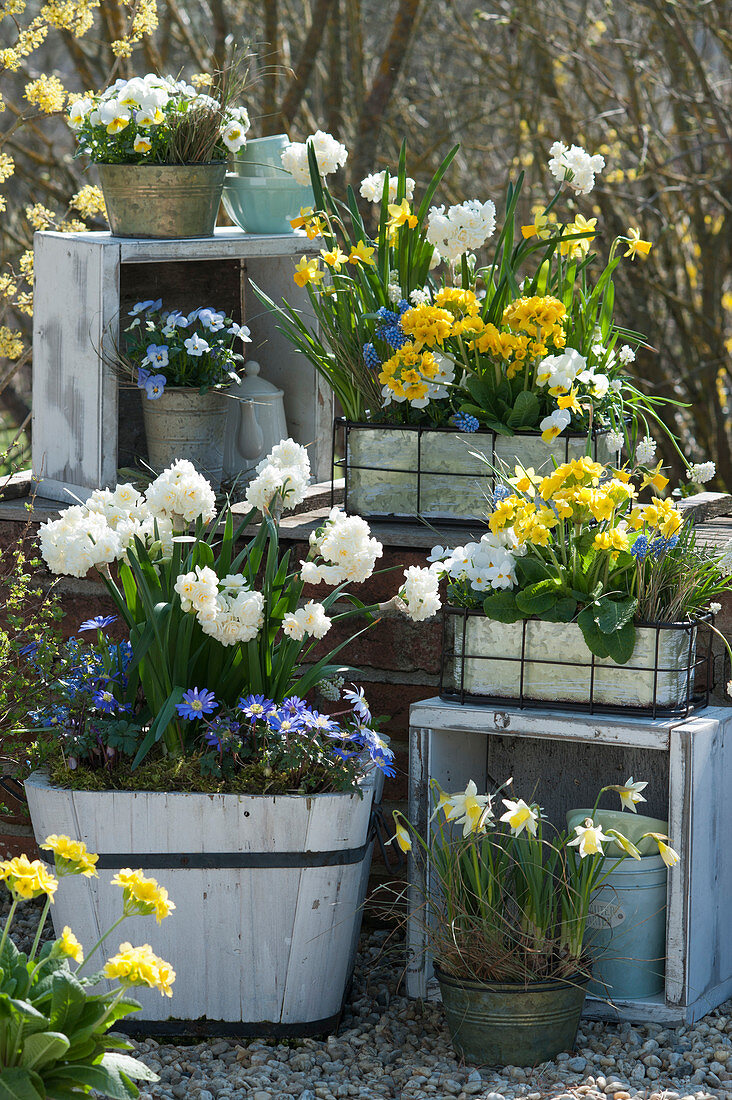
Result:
{"points": [[465, 422]]}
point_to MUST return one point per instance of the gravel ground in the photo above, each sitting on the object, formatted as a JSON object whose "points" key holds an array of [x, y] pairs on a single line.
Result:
{"points": [[390, 1047]]}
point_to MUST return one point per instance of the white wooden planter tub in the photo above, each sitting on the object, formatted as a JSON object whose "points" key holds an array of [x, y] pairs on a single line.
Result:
{"points": [[268, 894], [438, 474], [551, 662]]}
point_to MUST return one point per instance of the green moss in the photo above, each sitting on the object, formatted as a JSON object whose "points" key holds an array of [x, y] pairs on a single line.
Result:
{"points": [[183, 774]]}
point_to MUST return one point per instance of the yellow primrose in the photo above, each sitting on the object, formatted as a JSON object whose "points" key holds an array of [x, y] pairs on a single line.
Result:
{"points": [[308, 271], [142, 895], [520, 816], [503, 514], [525, 480], [427, 325], [655, 479], [616, 538], [601, 505], [401, 214], [334, 258], [69, 945], [362, 253], [140, 966], [458, 301], [28, 880], [636, 245], [70, 856]]}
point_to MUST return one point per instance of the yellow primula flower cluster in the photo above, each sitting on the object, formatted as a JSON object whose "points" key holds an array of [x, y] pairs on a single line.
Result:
{"points": [[27, 879], [142, 895], [427, 325], [89, 201], [462, 303], [69, 945], [70, 856], [140, 966], [47, 93], [661, 515], [529, 327], [406, 372]]}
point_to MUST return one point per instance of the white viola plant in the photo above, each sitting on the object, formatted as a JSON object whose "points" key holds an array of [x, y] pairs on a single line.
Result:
{"points": [[195, 350], [218, 622], [509, 892], [141, 121]]}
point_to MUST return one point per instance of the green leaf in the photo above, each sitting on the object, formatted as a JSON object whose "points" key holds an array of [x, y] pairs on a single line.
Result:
{"points": [[20, 1084], [621, 644], [538, 597], [530, 570], [564, 611], [502, 606], [105, 1079], [42, 1048], [131, 1066], [595, 640], [611, 615], [525, 412], [67, 1001]]}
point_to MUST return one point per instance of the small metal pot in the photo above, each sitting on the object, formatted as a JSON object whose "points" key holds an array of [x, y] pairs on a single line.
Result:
{"points": [[184, 423], [162, 200], [506, 1024]]}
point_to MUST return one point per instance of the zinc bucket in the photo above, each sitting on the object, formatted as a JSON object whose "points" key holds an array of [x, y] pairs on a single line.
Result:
{"points": [[626, 927], [505, 1024], [184, 423]]}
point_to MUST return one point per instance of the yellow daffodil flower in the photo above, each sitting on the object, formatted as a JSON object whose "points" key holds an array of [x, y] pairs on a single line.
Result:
{"points": [[520, 816], [627, 845], [589, 839], [630, 793], [308, 271], [569, 401], [362, 253], [636, 245], [401, 214], [582, 246], [539, 228], [469, 809], [334, 258], [306, 213], [401, 836], [70, 946], [655, 479], [666, 852]]}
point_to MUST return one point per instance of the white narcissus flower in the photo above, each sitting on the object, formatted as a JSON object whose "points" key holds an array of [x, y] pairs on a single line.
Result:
{"points": [[420, 593], [308, 621], [465, 226], [285, 473], [630, 793], [372, 187], [347, 549], [181, 494], [329, 154], [575, 166], [469, 809], [589, 839], [519, 816]]}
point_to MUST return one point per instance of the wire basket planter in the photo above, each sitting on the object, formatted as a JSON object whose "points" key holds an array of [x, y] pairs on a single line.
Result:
{"points": [[399, 472], [546, 665]]}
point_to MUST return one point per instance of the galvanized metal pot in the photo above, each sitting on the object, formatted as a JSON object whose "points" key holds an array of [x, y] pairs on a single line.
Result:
{"points": [[162, 200], [184, 423], [504, 1024]]}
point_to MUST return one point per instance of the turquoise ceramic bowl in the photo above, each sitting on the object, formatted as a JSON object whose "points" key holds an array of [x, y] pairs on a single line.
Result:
{"points": [[264, 206], [262, 154]]}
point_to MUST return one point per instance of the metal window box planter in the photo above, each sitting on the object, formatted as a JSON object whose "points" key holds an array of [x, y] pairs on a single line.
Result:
{"points": [[533, 663], [399, 472]]}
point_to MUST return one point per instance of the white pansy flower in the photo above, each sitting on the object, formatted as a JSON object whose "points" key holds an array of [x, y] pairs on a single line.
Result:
{"points": [[78, 112], [554, 424]]}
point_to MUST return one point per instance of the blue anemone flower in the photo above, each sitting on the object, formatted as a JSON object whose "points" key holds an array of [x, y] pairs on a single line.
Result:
{"points": [[99, 622], [196, 703], [256, 707], [103, 699]]}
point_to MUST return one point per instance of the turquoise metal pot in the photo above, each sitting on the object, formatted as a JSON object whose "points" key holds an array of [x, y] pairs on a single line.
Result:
{"points": [[262, 157], [265, 205], [503, 1024], [626, 929]]}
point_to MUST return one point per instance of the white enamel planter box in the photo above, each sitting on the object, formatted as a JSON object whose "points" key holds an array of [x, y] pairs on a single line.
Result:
{"points": [[268, 894], [543, 661], [403, 472]]}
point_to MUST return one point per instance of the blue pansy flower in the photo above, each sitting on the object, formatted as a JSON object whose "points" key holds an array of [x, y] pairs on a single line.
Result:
{"points": [[154, 386], [157, 355]]}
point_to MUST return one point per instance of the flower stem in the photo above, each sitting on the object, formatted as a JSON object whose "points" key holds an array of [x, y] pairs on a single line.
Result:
{"points": [[99, 942], [41, 924]]}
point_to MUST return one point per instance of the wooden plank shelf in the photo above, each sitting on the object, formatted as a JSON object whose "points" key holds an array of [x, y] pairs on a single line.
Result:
{"points": [[562, 759]]}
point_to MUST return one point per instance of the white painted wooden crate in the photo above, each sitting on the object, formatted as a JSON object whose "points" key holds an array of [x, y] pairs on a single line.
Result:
{"points": [[76, 315], [562, 759]]}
